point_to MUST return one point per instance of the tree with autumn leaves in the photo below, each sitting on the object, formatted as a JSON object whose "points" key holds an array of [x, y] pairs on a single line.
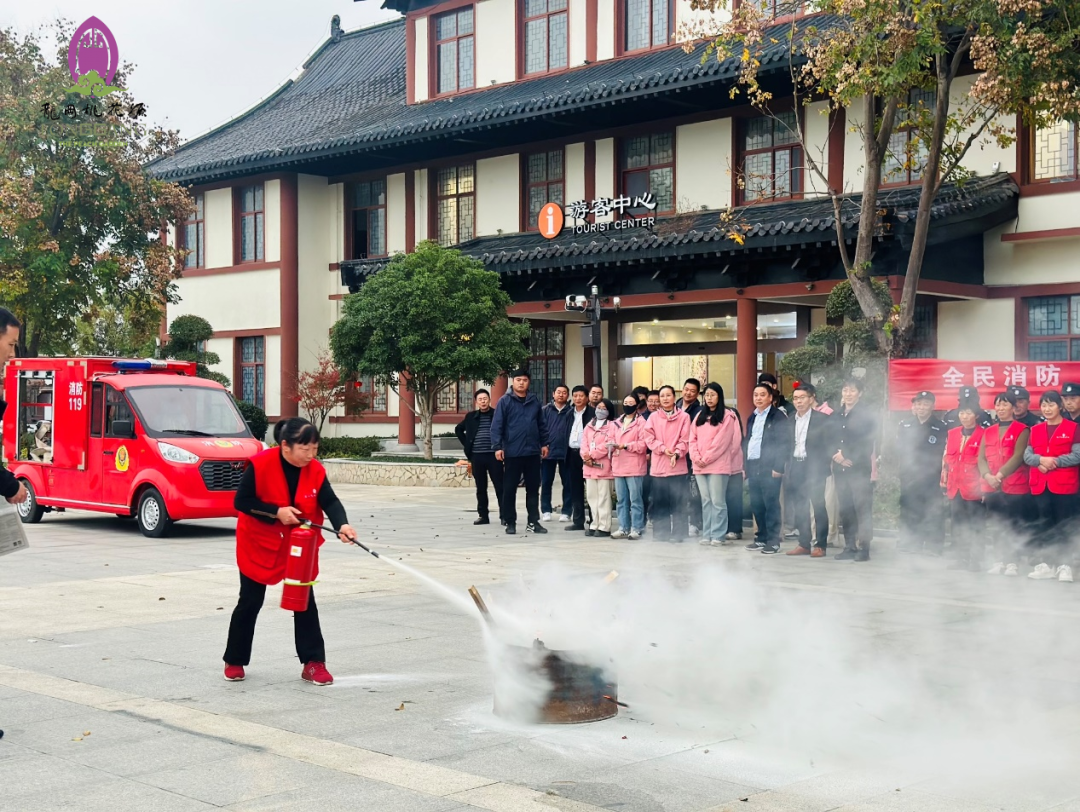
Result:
{"points": [[322, 389], [872, 57], [80, 218]]}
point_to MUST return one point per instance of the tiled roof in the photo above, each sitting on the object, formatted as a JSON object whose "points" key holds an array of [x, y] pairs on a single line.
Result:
{"points": [[351, 98], [991, 200]]}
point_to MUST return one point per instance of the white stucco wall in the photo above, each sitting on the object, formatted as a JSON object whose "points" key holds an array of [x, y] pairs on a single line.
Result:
{"points": [[240, 300], [691, 24], [272, 391], [1038, 262], [422, 205], [218, 223], [575, 172], [578, 35], [315, 204], [395, 213], [335, 231], [498, 195], [494, 59], [605, 30], [605, 171], [964, 330], [420, 54], [702, 167], [224, 348], [816, 129], [272, 220]]}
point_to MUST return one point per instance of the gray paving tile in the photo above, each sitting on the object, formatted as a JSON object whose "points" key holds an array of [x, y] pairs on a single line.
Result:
{"points": [[648, 787], [347, 793]]}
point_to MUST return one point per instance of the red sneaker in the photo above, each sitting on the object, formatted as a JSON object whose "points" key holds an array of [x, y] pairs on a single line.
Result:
{"points": [[234, 673], [316, 673]]}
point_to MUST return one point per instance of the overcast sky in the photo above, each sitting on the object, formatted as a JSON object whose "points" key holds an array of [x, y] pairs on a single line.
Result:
{"points": [[201, 62]]}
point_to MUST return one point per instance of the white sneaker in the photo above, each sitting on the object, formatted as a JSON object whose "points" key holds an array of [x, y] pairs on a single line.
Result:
{"points": [[1042, 573], [1011, 569], [718, 542], [731, 537], [564, 518], [1064, 573], [694, 532], [997, 569], [618, 534], [545, 517], [704, 542], [634, 535]]}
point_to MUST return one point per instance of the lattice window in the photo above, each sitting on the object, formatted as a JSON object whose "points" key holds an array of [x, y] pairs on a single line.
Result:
{"points": [[455, 51], [455, 193], [647, 23], [924, 331], [905, 158], [253, 370], [546, 361], [194, 237], [1054, 153], [367, 219], [547, 41], [544, 182], [1053, 328], [772, 160], [647, 166], [251, 223]]}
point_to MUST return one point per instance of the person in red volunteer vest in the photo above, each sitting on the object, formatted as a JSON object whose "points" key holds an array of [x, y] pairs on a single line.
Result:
{"points": [[1005, 486], [1053, 453], [289, 483], [963, 488]]}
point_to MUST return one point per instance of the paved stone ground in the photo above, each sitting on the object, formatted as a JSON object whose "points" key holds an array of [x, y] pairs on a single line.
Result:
{"points": [[112, 698]]}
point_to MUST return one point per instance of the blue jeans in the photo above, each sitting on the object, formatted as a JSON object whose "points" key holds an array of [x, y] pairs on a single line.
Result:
{"points": [[713, 490], [631, 503], [547, 479]]}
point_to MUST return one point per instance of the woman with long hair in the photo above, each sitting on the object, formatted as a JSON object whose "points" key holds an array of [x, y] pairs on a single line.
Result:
{"points": [[629, 462], [596, 445], [282, 487], [714, 453], [1053, 453]]}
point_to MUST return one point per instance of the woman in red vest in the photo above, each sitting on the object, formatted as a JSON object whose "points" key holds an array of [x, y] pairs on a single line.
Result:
{"points": [[1006, 490], [289, 483], [961, 475], [1053, 453]]}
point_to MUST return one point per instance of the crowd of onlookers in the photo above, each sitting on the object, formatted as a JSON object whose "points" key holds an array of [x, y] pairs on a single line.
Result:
{"points": [[678, 462]]}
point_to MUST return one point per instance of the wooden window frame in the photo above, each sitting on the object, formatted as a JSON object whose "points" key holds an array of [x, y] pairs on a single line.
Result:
{"points": [[200, 233], [350, 209], [544, 358], [906, 129], [433, 53], [433, 185], [1070, 337], [351, 396], [797, 181], [528, 221], [1030, 155], [523, 40], [621, 171], [239, 365], [238, 219], [620, 29]]}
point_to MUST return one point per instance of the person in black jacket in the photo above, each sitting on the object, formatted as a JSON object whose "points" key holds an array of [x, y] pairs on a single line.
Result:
{"points": [[808, 468], [519, 437], [581, 414], [766, 448], [855, 432], [920, 446], [559, 417], [475, 435]]}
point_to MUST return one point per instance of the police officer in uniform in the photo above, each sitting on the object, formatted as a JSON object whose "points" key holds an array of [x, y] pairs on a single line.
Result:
{"points": [[968, 395], [920, 443], [1022, 413], [1070, 394]]}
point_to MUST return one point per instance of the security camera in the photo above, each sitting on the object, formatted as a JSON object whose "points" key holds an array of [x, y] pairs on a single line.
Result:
{"points": [[580, 300], [595, 290], [569, 302], [616, 301]]}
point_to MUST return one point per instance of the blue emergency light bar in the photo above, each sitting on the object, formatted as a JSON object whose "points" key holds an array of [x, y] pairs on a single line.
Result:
{"points": [[147, 364]]}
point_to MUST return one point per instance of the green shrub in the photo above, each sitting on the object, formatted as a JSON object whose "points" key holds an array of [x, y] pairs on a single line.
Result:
{"points": [[256, 417], [348, 446]]}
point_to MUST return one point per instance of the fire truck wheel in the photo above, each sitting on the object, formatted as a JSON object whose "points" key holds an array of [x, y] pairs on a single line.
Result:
{"points": [[154, 521], [30, 511]]}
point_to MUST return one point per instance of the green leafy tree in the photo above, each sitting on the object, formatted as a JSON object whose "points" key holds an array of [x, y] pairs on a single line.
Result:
{"points": [[426, 321], [870, 56], [187, 338], [116, 331], [255, 417], [79, 215]]}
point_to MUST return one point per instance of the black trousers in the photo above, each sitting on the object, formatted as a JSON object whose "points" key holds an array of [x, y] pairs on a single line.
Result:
{"points": [[804, 487], [735, 507], [669, 494], [1055, 511], [575, 470], [967, 526], [693, 503], [483, 466], [765, 501], [855, 492], [516, 469], [1007, 516], [646, 488], [921, 510], [306, 629], [548, 468]]}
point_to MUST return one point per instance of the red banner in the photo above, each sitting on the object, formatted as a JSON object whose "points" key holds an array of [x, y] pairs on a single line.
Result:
{"points": [[943, 378]]}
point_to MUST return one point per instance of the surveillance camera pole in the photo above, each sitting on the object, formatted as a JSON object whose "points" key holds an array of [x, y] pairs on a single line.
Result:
{"points": [[592, 306]]}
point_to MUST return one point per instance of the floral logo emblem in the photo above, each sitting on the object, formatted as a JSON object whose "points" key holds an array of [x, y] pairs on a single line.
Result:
{"points": [[93, 59]]}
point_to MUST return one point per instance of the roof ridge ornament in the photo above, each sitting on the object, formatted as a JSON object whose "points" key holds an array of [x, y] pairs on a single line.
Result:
{"points": [[335, 28]]}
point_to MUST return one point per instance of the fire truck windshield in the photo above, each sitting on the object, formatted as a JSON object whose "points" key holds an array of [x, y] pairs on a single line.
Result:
{"points": [[192, 411]]}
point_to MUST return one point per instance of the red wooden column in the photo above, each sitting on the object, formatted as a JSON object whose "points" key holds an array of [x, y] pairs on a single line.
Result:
{"points": [[289, 280], [406, 422], [746, 355], [498, 389]]}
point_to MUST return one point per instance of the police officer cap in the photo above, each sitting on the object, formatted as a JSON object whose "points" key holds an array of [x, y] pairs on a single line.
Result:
{"points": [[968, 393], [1071, 389], [1019, 392], [926, 395]]}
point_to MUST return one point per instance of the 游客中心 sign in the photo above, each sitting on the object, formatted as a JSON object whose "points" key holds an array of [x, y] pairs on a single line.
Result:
{"points": [[554, 219]]}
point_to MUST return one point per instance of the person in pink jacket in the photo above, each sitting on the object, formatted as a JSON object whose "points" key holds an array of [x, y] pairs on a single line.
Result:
{"points": [[667, 434], [716, 454], [596, 445], [629, 461]]}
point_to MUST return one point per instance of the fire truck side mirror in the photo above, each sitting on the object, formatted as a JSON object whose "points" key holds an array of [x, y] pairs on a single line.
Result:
{"points": [[122, 428]]}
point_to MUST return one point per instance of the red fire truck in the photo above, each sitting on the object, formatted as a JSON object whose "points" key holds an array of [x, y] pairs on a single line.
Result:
{"points": [[136, 438]]}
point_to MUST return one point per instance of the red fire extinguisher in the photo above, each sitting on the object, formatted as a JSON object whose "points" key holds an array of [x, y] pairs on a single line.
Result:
{"points": [[299, 569]]}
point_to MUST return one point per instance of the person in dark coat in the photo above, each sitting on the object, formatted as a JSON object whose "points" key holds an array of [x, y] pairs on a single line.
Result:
{"points": [[559, 417], [920, 446], [967, 396], [519, 437], [855, 432], [475, 435], [1022, 413], [1070, 397], [807, 470], [581, 414], [766, 448]]}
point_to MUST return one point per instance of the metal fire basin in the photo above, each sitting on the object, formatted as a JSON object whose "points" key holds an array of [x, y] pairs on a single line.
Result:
{"points": [[579, 692]]}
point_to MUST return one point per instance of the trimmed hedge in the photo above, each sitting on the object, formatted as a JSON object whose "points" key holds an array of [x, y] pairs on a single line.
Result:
{"points": [[348, 446], [256, 417]]}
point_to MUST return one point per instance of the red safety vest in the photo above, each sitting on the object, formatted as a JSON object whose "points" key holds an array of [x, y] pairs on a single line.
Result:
{"points": [[999, 449], [962, 459], [261, 548], [1054, 441]]}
